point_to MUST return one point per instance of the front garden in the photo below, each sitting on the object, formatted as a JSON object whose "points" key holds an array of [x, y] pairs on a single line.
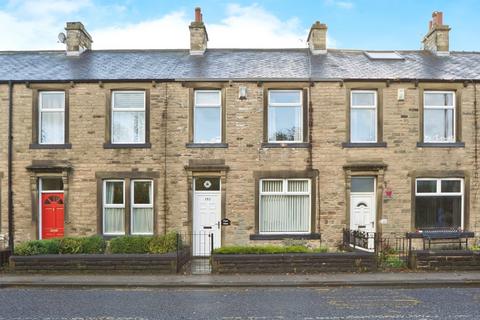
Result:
{"points": [[156, 254]]}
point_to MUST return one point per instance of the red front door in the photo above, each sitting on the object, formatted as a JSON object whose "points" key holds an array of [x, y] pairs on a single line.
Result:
{"points": [[52, 215]]}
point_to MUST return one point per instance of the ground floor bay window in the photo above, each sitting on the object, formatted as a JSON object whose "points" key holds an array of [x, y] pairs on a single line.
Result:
{"points": [[285, 206], [439, 203]]}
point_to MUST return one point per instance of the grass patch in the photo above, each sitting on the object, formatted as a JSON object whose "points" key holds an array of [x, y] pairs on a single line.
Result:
{"points": [[267, 249], [393, 262]]}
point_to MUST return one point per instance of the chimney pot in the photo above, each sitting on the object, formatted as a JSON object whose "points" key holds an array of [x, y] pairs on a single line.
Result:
{"points": [[198, 14]]}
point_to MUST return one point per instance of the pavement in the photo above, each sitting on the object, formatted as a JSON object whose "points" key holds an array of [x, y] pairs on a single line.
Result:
{"points": [[383, 279]]}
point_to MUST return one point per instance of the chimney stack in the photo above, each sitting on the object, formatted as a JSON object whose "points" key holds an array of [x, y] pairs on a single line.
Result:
{"points": [[77, 39], [198, 34], [317, 38], [437, 38]]}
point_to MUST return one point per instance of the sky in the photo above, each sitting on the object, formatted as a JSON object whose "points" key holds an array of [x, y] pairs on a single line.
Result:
{"points": [[163, 24]]}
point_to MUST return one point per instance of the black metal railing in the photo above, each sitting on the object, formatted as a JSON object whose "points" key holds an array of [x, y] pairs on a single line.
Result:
{"points": [[377, 243]]}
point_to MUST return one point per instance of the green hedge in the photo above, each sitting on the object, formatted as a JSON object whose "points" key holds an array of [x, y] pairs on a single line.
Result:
{"points": [[36, 247], [144, 244], [86, 245], [97, 245], [267, 249]]}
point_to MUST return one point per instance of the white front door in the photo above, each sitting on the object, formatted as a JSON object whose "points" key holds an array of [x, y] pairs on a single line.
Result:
{"points": [[206, 216], [363, 207]]}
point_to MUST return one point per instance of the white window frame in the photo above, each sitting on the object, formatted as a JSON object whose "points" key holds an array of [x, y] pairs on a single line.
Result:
{"points": [[286, 192], [41, 110], [217, 105], [144, 110], [433, 107], [133, 205], [106, 206], [275, 105], [444, 194], [374, 107]]}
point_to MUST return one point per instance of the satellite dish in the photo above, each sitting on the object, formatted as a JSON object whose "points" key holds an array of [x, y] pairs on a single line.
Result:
{"points": [[62, 37]]}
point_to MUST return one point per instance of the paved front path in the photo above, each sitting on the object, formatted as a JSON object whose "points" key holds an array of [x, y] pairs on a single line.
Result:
{"points": [[403, 279], [241, 304]]}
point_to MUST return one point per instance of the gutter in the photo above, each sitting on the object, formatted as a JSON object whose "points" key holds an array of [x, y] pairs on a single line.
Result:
{"points": [[10, 166]]}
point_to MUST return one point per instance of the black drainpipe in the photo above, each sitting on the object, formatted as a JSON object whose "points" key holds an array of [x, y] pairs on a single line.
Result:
{"points": [[10, 157]]}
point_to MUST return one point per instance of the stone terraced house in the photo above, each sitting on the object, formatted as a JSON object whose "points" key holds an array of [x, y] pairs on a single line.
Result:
{"points": [[280, 143]]}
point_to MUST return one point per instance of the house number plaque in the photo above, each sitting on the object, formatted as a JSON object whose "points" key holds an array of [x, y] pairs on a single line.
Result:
{"points": [[226, 222]]}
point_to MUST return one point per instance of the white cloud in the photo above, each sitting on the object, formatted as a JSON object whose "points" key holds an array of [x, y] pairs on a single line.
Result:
{"points": [[35, 24], [340, 4], [242, 27]]}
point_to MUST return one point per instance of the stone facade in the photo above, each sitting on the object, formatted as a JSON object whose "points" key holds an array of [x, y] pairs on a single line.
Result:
{"points": [[171, 161]]}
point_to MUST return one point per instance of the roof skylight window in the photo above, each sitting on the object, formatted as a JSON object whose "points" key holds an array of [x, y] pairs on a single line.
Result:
{"points": [[383, 55]]}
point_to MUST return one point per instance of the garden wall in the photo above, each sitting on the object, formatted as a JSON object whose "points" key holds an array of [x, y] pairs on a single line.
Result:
{"points": [[293, 263], [167, 263], [445, 260]]}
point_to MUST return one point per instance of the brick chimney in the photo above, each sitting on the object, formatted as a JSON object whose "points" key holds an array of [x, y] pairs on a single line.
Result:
{"points": [[78, 39], [198, 34], [317, 38], [437, 38]]}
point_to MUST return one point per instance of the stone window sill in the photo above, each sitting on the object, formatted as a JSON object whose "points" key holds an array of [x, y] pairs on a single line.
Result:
{"points": [[441, 145], [51, 146], [364, 145], [206, 145], [309, 236], [127, 145], [287, 145]]}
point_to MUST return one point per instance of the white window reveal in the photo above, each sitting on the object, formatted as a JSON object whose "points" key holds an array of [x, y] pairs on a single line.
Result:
{"points": [[128, 117], [285, 206], [142, 207], [113, 207], [439, 116], [285, 116], [363, 116], [51, 117], [207, 116], [439, 203]]}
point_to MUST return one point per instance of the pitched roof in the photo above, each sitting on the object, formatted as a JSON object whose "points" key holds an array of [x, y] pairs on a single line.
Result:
{"points": [[235, 64]]}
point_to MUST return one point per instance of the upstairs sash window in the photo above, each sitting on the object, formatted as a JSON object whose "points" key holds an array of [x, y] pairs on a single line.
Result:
{"points": [[128, 117], [285, 116], [363, 116], [439, 116], [51, 117], [207, 116]]}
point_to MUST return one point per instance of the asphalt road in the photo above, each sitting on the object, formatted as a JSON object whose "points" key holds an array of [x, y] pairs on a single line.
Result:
{"points": [[240, 304]]}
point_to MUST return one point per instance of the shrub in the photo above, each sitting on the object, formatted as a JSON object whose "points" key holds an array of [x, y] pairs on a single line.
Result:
{"points": [[267, 249], [393, 262], [36, 247], [130, 244], [94, 244], [87, 245], [164, 244]]}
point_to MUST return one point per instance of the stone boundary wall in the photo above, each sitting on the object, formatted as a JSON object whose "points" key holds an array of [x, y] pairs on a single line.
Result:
{"points": [[167, 263], [445, 260], [293, 263]]}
